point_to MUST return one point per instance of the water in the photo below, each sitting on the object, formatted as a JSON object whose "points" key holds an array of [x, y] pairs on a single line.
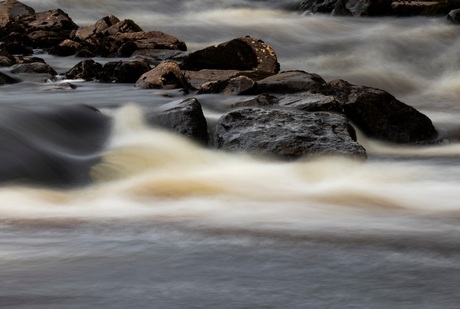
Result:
{"points": [[168, 224]]}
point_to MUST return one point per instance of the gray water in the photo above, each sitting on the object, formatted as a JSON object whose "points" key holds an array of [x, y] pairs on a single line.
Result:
{"points": [[168, 224]]}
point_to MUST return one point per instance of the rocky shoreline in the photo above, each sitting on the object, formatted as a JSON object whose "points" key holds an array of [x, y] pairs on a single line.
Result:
{"points": [[288, 115]]}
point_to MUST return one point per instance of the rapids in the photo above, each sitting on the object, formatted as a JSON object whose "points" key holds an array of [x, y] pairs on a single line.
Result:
{"points": [[168, 224]]}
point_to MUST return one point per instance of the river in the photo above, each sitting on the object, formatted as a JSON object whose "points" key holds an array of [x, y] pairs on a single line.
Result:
{"points": [[169, 224]]}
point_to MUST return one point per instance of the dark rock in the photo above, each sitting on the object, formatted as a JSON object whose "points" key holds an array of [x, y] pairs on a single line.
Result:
{"points": [[46, 39], [52, 20], [123, 26], [289, 82], [85, 32], [35, 67], [454, 16], [349, 7], [17, 48], [84, 53], [6, 79], [123, 71], [287, 134], [441, 8], [166, 75], [262, 100], [240, 54], [7, 61], [65, 48], [10, 12], [185, 117], [88, 70], [157, 56], [380, 115], [234, 86], [411, 8], [311, 102], [27, 59], [54, 146]]}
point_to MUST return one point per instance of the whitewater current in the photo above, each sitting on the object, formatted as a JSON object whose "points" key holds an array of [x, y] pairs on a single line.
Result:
{"points": [[166, 223]]}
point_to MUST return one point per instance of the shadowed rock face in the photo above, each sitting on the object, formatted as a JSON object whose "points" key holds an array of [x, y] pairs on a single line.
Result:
{"points": [[55, 146], [287, 134], [185, 117], [380, 115]]}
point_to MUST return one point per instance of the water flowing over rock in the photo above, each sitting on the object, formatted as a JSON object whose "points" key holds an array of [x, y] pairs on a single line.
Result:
{"points": [[185, 117], [287, 134]]}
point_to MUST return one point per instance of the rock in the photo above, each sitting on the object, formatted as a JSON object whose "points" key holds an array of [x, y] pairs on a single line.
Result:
{"points": [[52, 145], [166, 75], [287, 134], [411, 8], [52, 20], [380, 115], [441, 8], [263, 100], [46, 39], [88, 70], [185, 117], [27, 59], [123, 71], [7, 61], [234, 86], [10, 12], [245, 53], [348, 7], [454, 16], [17, 48], [85, 32], [6, 79], [123, 26], [65, 48], [311, 102], [289, 82], [35, 67]]}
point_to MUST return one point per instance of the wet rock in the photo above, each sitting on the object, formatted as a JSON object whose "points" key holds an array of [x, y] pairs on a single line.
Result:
{"points": [[123, 71], [454, 16], [380, 115], [123, 26], [349, 7], [411, 8], [311, 102], [10, 12], [166, 75], [287, 134], [16, 48], [85, 32], [51, 146], [88, 70], [35, 67], [289, 82], [27, 59], [245, 53], [263, 100], [234, 86], [6, 79], [7, 61], [52, 20], [65, 48], [184, 117], [46, 39]]}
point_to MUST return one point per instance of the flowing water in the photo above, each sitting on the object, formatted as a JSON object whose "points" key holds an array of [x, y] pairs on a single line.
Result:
{"points": [[168, 224]]}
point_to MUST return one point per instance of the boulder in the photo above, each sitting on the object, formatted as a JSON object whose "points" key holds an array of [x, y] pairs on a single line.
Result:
{"points": [[46, 39], [123, 71], [411, 8], [10, 12], [289, 82], [7, 61], [88, 70], [16, 48], [454, 16], [244, 53], [380, 115], [348, 7], [65, 48], [85, 32], [311, 102], [234, 86], [53, 20], [54, 146], [6, 79], [166, 75], [184, 117], [287, 134], [35, 68]]}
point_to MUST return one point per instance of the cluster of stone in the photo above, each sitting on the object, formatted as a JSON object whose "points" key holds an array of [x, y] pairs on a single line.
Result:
{"points": [[288, 115]]}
